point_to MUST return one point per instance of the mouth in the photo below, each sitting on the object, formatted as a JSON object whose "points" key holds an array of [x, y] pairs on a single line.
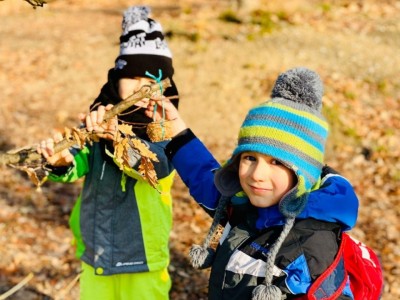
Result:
{"points": [[259, 190]]}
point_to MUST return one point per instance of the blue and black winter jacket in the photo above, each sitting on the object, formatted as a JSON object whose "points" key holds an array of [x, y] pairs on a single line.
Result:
{"points": [[308, 250]]}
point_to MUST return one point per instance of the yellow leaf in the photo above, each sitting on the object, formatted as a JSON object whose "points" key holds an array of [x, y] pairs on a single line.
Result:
{"points": [[146, 169], [143, 150], [126, 129], [122, 154]]}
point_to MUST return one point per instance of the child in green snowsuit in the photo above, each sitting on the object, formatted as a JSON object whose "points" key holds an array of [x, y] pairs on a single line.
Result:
{"points": [[121, 224]]}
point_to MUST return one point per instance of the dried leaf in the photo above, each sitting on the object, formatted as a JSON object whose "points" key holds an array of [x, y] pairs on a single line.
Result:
{"points": [[79, 137], [67, 133], [37, 175], [146, 169], [143, 150], [123, 148], [126, 129], [119, 153]]}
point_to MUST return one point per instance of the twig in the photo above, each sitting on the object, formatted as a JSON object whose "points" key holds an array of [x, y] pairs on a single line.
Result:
{"points": [[16, 287], [70, 285], [36, 3], [30, 154]]}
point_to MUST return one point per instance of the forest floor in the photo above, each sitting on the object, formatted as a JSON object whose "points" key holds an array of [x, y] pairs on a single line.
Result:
{"points": [[55, 59]]}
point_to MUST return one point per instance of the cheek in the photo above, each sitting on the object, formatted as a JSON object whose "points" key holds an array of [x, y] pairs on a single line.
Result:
{"points": [[128, 86], [243, 171], [287, 180]]}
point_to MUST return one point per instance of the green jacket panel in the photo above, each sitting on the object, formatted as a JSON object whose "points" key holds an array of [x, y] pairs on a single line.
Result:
{"points": [[121, 224]]}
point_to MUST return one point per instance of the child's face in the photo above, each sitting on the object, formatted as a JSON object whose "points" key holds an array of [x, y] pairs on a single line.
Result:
{"points": [[264, 179], [128, 86]]}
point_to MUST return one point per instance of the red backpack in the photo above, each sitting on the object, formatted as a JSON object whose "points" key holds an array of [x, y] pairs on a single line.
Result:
{"points": [[360, 263], [364, 268]]}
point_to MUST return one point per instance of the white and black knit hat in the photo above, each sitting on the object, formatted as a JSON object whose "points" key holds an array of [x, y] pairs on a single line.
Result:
{"points": [[291, 128], [142, 46]]}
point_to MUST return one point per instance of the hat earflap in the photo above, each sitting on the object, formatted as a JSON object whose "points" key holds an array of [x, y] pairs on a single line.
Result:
{"points": [[268, 291], [202, 257], [226, 178], [293, 205]]}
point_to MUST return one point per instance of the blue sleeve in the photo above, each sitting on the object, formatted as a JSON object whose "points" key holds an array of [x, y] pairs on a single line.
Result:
{"points": [[195, 165], [335, 201], [163, 167]]}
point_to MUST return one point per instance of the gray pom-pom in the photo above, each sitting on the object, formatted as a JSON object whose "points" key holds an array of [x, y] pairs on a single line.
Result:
{"points": [[300, 85], [201, 257], [263, 292]]}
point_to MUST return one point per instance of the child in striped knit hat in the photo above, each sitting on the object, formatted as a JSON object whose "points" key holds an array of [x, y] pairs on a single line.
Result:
{"points": [[282, 209]]}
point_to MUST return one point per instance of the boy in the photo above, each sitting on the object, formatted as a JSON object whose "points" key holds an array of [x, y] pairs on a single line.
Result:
{"points": [[121, 224], [283, 222]]}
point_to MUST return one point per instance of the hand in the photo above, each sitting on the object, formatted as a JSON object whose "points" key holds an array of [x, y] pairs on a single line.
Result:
{"points": [[170, 114], [96, 124], [60, 159]]}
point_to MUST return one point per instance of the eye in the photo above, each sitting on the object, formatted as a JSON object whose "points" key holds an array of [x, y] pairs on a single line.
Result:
{"points": [[276, 162], [249, 157]]}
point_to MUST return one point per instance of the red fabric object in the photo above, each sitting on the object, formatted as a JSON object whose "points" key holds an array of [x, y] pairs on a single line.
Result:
{"points": [[364, 269]]}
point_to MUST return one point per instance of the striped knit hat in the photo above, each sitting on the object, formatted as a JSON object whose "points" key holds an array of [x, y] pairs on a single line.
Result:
{"points": [[290, 128]]}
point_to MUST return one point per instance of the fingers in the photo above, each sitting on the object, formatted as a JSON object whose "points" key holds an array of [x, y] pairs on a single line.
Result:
{"points": [[109, 107], [66, 157], [95, 118], [46, 149], [100, 114], [57, 137], [150, 109], [163, 108], [96, 124]]}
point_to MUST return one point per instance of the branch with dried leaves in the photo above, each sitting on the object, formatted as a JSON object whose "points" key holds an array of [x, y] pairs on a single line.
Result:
{"points": [[36, 3], [30, 161]]}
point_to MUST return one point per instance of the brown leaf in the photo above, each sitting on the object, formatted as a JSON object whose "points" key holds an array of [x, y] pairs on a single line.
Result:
{"points": [[143, 150], [126, 129], [146, 169]]}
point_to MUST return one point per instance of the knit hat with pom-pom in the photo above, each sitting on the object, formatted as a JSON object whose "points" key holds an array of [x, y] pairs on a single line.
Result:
{"points": [[143, 47], [290, 128]]}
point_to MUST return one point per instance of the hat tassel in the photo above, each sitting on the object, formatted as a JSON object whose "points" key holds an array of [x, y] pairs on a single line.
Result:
{"points": [[266, 292], [201, 257]]}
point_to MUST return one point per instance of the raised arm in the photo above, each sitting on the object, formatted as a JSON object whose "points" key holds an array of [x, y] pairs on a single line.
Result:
{"points": [[190, 157]]}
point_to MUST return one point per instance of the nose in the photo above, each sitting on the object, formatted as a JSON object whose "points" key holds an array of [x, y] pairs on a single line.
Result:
{"points": [[260, 171]]}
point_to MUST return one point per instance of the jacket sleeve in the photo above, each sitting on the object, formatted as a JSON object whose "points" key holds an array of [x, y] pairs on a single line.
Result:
{"points": [[334, 201], [78, 169], [195, 165]]}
